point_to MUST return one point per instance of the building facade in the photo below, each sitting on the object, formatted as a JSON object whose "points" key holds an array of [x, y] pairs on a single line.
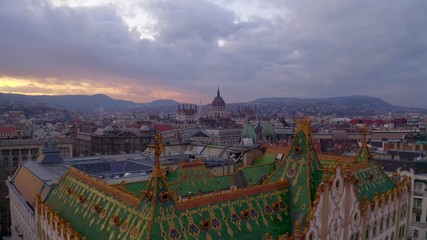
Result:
{"points": [[419, 208], [111, 140], [13, 152]]}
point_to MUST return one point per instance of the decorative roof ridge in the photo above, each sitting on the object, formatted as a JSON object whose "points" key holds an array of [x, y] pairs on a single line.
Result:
{"points": [[364, 147], [128, 182], [155, 183], [195, 163], [359, 166], [103, 186], [257, 165], [303, 125], [231, 195]]}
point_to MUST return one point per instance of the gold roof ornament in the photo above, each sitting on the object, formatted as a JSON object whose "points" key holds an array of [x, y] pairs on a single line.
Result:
{"points": [[365, 132]]}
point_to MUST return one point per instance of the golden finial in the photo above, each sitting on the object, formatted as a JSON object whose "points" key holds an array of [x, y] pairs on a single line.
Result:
{"points": [[365, 132], [158, 147]]}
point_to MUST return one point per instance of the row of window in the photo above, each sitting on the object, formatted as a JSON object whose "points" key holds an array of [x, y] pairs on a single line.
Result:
{"points": [[16, 151], [387, 223]]}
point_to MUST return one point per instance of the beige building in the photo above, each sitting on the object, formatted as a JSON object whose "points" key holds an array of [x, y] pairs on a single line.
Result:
{"points": [[13, 152], [217, 136]]}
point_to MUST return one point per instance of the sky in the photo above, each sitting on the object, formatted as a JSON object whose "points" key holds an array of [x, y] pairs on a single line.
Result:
{"points": [[144, 50]]}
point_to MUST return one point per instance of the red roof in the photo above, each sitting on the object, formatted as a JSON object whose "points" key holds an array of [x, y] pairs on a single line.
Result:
{"points": [[379, 122], [368, 121], [163, 127], [7, 130]]}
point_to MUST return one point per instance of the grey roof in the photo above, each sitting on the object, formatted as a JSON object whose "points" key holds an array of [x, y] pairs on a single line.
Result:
{"points": [[111, 167], [46, 173]]}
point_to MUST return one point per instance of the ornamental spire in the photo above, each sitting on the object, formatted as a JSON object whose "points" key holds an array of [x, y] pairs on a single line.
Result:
{"points": [[365, 132], [218, 92], [158, 147]]}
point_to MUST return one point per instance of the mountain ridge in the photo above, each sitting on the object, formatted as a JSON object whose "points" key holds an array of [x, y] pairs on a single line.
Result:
{"points": [[95, 102]]}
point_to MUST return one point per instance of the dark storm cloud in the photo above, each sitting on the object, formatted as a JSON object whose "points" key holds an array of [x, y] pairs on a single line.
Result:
{"points": [[321, 48]]}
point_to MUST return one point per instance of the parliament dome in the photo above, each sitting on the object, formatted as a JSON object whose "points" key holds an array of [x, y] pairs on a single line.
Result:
{"points": [[218, 101]]}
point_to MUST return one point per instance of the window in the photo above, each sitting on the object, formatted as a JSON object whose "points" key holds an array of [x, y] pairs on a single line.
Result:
{"points": [[417, 217], [415, 234], [394, 217], [418, 202], [403, 213], [354, 236], [381, 224], [388, 221], [401, 232], [367, 233], [418, 186], [374, 232]]}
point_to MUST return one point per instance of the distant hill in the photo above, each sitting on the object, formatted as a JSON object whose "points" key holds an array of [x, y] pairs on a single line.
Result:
{"points": [[356, 101], [84, 103], [351, 105], [350, 101]]}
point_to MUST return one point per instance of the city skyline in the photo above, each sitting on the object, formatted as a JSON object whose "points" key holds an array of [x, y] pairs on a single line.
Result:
{"points": [[183, 50]]}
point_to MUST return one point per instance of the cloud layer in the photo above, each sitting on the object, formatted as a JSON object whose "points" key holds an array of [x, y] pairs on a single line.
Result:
{"points": [[290, 49]]}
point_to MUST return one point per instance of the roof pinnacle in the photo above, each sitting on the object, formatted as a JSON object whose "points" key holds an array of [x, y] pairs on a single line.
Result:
{"points": [[158, 147], [365, 132]]}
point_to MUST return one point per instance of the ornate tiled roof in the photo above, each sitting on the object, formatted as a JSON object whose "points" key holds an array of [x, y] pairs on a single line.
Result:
{"points": [[99, 211], [192, 203], [303, 171], [196, 178], [367, 177]]}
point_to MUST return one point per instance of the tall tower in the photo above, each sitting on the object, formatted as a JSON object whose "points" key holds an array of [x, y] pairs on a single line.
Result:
{"points": [[218, 106]]}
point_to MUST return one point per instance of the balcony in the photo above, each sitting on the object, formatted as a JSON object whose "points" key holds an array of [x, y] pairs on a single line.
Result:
{"points": [[419, 224], [420, 193]]}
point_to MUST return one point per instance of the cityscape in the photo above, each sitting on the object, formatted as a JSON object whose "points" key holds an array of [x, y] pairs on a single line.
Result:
{"points": [[140, 169], [212, 119]]}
